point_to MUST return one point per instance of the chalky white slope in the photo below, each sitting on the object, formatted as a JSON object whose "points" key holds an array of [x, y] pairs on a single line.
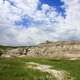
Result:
{"points": [[41, 25]]}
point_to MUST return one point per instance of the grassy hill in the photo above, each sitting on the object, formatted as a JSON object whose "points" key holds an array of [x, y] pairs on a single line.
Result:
{"points": [[14, 68]]}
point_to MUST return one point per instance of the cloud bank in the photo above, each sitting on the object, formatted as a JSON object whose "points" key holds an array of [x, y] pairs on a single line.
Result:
{"points": [[22, 23]]}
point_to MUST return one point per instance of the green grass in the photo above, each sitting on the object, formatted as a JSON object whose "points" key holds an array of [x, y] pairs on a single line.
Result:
{"points": [[14, 68]]}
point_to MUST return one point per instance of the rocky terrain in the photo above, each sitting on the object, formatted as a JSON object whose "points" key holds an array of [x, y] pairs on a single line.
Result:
{"points": [[58, 74], [59, 49]]}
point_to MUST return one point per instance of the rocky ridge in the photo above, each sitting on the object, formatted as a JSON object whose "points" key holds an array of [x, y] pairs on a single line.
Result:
{"points": [[59, 49]]}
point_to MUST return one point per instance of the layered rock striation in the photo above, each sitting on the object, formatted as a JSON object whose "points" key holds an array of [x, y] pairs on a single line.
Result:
{"points": [[59, 49]]}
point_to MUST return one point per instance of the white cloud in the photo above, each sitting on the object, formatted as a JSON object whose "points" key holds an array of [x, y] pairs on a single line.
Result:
{"points": [[46, 24], [72, 21]]}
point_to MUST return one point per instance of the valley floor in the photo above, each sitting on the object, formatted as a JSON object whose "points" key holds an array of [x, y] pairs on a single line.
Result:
{"points": [[29, 68]]}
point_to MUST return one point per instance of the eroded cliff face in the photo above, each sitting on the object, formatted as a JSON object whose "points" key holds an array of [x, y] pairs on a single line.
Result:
{"points": [[56, 49], [63, 49]]}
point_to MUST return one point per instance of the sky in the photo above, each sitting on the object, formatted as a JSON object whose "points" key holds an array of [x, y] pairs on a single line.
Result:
{"points": [[30, 22]]}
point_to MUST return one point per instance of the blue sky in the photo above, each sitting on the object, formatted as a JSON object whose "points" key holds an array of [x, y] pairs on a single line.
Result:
{"points": [[55, 3], [30, 22], [25, 20]]}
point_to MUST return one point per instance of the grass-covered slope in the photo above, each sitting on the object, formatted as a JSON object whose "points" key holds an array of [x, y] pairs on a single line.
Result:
{"points": [[14, 68]]}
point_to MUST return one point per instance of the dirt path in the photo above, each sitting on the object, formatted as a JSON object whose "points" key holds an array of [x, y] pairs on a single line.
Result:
{"points": [[58, 74]]}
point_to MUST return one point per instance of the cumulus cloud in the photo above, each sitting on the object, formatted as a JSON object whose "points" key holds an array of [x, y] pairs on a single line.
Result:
{"points": [[71, 28], [45, 24]]}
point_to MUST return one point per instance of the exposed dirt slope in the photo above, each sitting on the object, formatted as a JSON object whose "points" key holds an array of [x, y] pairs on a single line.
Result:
{"points": [[58, 74], [60, 49]]}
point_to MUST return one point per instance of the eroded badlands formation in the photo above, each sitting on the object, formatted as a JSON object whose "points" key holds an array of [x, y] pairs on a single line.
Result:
{"points": [[60, 49]]}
